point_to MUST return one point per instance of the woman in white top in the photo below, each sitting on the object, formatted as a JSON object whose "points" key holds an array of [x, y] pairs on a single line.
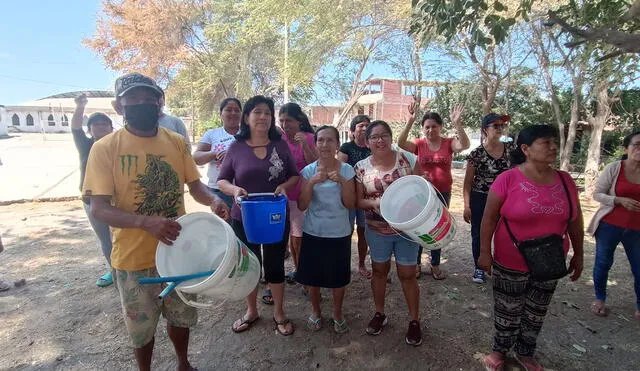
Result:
{"points": [[214, 144]]}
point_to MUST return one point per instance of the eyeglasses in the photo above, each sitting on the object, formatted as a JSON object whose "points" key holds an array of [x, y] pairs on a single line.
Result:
{"points": [[497, 126], [375, 138]]}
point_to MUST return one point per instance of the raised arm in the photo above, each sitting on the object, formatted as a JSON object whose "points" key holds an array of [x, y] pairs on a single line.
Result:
{"points": [[403, 141], [78, 114], [462, 141]]}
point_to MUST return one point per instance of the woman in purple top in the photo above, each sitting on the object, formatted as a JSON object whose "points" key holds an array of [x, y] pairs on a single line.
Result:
{"points": [[259, 161], [299, 136]]}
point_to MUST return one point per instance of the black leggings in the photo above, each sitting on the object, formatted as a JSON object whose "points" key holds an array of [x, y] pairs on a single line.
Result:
{"points": [[273, 262]]}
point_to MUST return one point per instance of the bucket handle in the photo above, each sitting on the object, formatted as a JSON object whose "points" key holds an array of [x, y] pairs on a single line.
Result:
{"points": [[243, 198], [196, 304], [453, 220]]}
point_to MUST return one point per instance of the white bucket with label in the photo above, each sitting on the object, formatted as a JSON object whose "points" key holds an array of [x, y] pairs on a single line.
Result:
{"points": [[411, 205], [207, 243]]}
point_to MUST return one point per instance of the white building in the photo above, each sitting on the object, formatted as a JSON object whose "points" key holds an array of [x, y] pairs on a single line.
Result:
{"points": [[53, 114]]}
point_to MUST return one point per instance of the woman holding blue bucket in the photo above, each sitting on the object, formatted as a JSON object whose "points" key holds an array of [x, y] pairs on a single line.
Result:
{"points": [[328, 193], [260, 162], [373, 175]]}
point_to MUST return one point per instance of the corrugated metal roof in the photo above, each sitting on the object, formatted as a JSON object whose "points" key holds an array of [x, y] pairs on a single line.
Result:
{"points": [[89, 94]]}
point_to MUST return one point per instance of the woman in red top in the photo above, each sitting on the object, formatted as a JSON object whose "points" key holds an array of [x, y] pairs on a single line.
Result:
{"points": [[435, 155], [618, 190]]}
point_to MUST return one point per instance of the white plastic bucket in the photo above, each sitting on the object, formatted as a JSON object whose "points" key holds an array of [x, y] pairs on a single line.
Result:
{"points": [[206, 242], [411, 205]]}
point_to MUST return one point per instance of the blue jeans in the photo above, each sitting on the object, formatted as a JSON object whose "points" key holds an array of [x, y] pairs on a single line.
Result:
{"points": [[477, 203], [381, 247], [445, 197], [102, 232], [607, 239], [226, 198]]}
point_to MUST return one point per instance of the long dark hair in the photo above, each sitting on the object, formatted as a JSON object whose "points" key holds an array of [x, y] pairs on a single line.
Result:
{"points": [[245, 132], [226, 101], [294, 111], [527, 136]]}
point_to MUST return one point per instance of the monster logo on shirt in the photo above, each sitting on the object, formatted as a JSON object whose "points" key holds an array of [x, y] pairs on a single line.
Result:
{"points": [[158, 189]]}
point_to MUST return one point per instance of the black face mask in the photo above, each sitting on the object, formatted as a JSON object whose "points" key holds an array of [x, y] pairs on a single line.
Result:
{"points": [[142, 116]]}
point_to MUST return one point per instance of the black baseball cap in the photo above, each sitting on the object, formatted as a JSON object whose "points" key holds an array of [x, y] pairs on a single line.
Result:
{"points": [[493, 117], [98, 116], [135, 80]]}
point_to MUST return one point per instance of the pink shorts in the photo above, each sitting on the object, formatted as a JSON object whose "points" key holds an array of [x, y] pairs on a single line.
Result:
{"points": [[296, 219]]}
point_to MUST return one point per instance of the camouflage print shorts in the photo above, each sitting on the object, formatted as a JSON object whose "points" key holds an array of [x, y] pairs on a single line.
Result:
{"points": [[142, 308]]}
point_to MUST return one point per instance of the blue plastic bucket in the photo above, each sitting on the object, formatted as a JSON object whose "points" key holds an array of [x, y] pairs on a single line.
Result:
{"points": [[264, 216]]}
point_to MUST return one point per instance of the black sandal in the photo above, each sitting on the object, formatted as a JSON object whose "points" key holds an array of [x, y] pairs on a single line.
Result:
{"points": [[284, 322], [267, 297], [238, 329]]}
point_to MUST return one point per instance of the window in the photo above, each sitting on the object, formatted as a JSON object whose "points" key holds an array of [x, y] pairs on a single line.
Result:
{"points": [[15, 120], [29, 120], [408, 90], [373, 88], [51, 121], [65, 120]]}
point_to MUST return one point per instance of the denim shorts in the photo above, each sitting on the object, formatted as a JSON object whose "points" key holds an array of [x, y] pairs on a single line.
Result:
{"points": [[381, 247], [357, 215]]}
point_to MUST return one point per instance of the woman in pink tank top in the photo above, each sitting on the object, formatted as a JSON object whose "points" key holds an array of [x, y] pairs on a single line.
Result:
{"points": [[435, 155]]}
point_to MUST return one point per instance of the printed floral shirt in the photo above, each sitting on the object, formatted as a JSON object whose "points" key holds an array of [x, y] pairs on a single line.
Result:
{"points": [[375, 182], [487, 167]]}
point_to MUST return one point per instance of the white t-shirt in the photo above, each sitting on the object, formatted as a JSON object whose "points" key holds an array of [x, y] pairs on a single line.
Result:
{"points": [[219, 140]]}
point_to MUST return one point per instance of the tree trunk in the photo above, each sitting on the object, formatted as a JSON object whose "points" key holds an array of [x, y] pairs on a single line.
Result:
{"points": [[417, 69], [598, 122], [567, 150], [543, 60]]}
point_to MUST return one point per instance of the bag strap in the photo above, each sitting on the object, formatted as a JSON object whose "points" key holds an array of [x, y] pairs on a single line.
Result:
{"points": [[566, 191]]}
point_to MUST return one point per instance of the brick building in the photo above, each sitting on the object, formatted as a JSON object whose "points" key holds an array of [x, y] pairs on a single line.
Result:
{"points": [[383, 99]]}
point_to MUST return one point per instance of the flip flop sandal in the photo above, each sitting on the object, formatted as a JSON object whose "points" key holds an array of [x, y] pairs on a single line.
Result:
{"points": [[529, 366], [267, 297], [438, 276], [599, 310], [340, 327], [238, 329], [105, 280], [290, 278], [492, 364], [314, 323], [284, 322]]}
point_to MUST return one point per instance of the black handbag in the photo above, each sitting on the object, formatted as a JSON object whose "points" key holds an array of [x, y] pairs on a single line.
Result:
{"points": [[545, 255]]}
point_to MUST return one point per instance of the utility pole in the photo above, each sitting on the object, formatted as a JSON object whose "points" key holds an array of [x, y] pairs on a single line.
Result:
{"points": [[286, 61]]}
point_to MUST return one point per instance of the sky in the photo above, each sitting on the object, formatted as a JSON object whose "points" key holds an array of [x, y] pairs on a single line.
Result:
{"points": [[41, 51]]}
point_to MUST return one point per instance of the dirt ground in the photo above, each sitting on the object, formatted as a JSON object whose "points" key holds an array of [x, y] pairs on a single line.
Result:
{"points": [[61, 320]]}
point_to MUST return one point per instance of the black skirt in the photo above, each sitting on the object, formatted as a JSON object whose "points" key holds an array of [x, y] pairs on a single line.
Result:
{"points": [[324, 262]]}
